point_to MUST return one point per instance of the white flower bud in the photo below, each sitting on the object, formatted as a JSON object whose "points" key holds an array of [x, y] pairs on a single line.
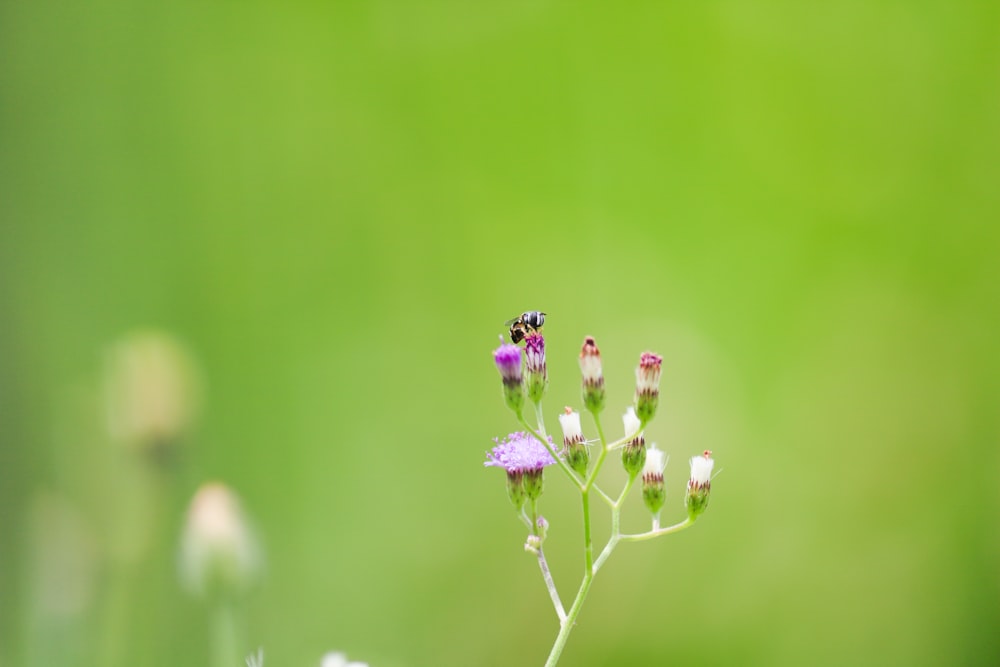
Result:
{"points": [[701, 469], [218, 549], [655, 461], [570, 422], [632, 423]]}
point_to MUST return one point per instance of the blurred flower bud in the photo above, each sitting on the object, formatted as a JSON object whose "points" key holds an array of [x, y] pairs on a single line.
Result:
{"points": [[533, 544], [508, 361], [593, 376], [152, 391], [654, 491], [699, 485], [647, 386], [534, 361], [574, 450], [219, 553]]}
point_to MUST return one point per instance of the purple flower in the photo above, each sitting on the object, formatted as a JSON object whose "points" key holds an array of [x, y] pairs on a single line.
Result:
{"points": [[534, 362], [519, 453], [508, 360]]}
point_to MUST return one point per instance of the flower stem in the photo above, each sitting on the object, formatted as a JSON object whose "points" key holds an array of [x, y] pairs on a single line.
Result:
{"points": [[567, 624], [544, 566], [605, 497], [676, 528], [540, 418], [588, 542], [224, 634], [551, 585], [545, 441]]}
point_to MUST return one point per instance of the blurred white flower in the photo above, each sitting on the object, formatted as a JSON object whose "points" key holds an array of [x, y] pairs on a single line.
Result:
{"points": [[337, 659], [218, 548], [256, 660]]}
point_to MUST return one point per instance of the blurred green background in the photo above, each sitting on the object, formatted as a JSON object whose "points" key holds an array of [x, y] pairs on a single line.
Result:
{"points": [[333, 208]]}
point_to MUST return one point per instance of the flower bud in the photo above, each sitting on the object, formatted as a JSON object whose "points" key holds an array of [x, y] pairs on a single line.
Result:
{"points": [[219, 553], [152, 392], [508, 361], [533, 544], [574, 450], [593, 376], [631, 423], [653, 489], [533, 483], [699, 485], [515, 488], [634, 456], [543, 527], [535, 372], [647, 386]]}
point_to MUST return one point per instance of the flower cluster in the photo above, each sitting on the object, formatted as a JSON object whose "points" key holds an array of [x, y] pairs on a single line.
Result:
{"points": [[525, 454]]}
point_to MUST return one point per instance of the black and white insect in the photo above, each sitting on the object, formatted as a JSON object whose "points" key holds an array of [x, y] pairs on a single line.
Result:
{"points": [[524, 324]]}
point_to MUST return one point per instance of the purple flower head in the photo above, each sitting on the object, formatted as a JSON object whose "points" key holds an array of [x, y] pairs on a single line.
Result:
{"points": [[508, 360], [519, 453], [534, 352], [647, 375], [534, 363]]}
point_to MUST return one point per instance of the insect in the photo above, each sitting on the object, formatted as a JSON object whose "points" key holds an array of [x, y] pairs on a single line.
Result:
{"points": [[526, 323]]}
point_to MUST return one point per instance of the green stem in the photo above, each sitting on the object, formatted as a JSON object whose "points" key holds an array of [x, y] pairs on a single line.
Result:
{"points": [[588, 543], [225, 651], [605, 497], [600, 457], [551, 585], [567, 625], [540, 419], [545, 441], [616, 513], [115, 622], [676, 528]]}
